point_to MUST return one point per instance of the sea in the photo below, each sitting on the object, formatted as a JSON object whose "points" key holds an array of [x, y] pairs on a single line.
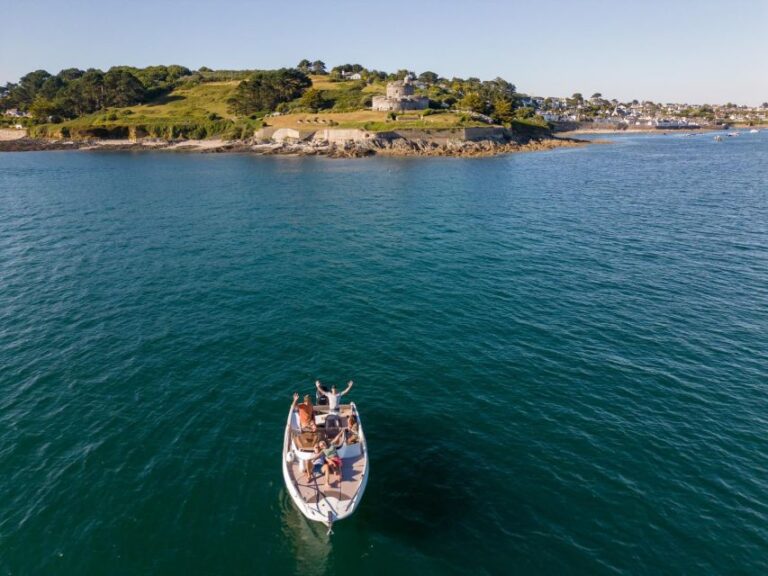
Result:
{"points": [[560, 359]]}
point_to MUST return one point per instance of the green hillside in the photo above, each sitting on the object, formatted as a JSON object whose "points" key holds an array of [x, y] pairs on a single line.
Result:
{"points": [[172, 102], [196, 111]]}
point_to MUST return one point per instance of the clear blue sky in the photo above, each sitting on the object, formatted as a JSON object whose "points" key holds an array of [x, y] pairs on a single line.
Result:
{"points": [[677, 50]]}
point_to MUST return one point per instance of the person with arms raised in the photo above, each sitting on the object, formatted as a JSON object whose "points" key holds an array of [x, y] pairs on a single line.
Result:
{"points": [[334, 396]]}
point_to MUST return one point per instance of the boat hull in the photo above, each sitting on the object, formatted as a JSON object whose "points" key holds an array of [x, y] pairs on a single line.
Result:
{"points": [[315, 501]]}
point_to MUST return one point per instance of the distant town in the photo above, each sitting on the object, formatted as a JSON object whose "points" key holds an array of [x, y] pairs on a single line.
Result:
{"points": [[636, 114]]}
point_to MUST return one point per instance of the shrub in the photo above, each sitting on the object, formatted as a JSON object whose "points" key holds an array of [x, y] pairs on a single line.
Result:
{"points": [[198, 132]]}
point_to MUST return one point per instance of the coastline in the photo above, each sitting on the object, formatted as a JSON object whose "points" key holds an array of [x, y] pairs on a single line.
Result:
{"points": [[394, 148]]}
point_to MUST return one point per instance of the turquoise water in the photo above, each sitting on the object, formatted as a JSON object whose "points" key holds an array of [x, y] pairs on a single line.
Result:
{"points": [[561, 359]]}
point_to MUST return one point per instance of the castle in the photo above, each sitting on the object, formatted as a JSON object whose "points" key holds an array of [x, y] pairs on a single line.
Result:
{"points": [[400, 96]]}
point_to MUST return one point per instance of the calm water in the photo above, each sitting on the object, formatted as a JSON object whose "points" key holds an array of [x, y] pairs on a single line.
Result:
{"points": [[561, 358]]}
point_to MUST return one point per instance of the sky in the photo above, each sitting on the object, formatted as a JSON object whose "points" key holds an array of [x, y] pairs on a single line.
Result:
{"points": [[695, 51]]}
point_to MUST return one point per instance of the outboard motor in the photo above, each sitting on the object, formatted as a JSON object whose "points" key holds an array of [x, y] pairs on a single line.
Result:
{"points": [[321, 400]]}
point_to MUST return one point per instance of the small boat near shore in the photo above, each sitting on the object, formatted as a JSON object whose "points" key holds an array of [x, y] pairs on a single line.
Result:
{"points": [[315, 500]]}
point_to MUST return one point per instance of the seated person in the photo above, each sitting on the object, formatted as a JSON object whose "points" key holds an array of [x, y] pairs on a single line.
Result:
{"points": [[317, 458], [306, 413], [349, 434], [328, 460], [332, 461]]}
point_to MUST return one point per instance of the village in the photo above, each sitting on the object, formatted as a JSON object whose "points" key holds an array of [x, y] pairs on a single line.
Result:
{"points": [[612, 114]]}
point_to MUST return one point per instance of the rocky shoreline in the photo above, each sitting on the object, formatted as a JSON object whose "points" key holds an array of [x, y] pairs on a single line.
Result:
{"points": [[375, 147]]}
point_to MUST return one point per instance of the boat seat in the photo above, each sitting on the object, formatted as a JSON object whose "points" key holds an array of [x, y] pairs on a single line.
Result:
{"points": [[306, 440], [332, 426]]}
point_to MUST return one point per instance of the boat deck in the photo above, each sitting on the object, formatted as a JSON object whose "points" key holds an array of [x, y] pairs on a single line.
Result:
{"points": [[353, 461], [312, 490]]}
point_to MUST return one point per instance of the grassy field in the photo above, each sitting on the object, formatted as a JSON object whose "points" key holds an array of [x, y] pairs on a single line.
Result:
{"points": [[196, 111], [323, 83], [197, 101], [183, 104]]}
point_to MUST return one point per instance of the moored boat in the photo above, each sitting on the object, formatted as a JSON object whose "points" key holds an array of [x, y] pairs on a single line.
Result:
{"points": [[340, 498]]}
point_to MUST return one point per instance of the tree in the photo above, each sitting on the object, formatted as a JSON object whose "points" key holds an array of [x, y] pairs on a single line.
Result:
{"points": [[428, 77], [305, 66], [473, 102], [502, 110], [122, 88], [499, 86], [42, 109], [578, 97], [265, 89], [318, 67], [70, 74], [312, 100], [374, 75], [596, 95], [85, 94], [29, 85], [764, 105], [525, 113]]}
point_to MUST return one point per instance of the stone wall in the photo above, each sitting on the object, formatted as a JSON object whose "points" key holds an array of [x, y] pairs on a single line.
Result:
{"points": [[285, 135], [264, 134], [495, 134], [385, 104], [342, 136]]}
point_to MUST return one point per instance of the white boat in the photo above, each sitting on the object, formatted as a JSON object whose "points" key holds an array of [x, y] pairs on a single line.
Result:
{"points": [[754, 131], [338, 500]]}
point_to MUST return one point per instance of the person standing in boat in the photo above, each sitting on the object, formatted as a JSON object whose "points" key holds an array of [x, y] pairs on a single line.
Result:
{"points": [[334, 397]]}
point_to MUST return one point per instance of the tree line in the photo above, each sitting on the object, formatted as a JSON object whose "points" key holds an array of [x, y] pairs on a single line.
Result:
{"points": [[74, 92], [264, 90]]}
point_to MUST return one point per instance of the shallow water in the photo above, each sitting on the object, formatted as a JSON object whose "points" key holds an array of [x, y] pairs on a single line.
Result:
{"points": [[561, 359]]}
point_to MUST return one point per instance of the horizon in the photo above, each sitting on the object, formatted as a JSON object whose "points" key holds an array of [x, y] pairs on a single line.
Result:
{"points": [[677, 55]]}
